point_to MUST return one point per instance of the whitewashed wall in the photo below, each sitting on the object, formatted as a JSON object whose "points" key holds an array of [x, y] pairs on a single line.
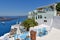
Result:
{"points": [[48, 15]]}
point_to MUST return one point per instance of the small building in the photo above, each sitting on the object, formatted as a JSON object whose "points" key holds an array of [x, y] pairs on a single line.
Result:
{"points": [[43, 14]]}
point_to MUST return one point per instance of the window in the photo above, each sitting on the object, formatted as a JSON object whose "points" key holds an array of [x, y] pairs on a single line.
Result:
{"points": [[40, 16], [36, 17], [45, 17], [45, 20]]}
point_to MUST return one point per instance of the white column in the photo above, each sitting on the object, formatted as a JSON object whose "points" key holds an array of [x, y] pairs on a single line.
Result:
{"points": [[55, 11]]}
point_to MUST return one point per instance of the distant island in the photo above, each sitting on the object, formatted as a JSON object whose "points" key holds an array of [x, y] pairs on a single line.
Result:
{"points": [[7, 18]]}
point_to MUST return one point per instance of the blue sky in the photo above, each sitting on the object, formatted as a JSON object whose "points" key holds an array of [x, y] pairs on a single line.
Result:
{"points": [[21, 7]]}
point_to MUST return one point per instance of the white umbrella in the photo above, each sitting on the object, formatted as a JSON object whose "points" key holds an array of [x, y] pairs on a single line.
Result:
{"points": [[18, 30]]}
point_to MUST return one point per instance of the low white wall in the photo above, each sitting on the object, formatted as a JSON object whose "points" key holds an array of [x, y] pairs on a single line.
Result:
{"points": [[5, 37]]}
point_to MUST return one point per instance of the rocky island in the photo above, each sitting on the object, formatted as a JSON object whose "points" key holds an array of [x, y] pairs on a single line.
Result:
{"points": [[7, 19]]}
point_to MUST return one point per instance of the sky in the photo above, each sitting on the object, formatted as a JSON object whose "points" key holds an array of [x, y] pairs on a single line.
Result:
{"points": [[21, 7]]}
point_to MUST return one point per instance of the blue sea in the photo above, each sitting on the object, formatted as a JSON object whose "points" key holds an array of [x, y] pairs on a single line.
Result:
{"points": [[6, 26]]}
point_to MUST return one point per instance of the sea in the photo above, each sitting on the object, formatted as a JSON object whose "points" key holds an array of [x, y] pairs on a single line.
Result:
{"points": [[5, 26]]}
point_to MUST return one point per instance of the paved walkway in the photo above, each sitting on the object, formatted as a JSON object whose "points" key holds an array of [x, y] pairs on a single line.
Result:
{"points": [[53, 35]]}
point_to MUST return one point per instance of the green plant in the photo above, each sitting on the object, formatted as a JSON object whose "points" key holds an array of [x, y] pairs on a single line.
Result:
{"points": [[29, 23], [58, 6]]}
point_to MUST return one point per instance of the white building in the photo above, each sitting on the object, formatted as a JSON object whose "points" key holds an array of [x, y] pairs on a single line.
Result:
{"points": [[44, 14]]}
